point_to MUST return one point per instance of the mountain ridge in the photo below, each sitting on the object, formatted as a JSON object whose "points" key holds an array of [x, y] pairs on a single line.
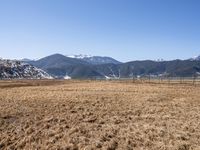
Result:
{"points": [[78, 68], [62, 67], [95, 60]]}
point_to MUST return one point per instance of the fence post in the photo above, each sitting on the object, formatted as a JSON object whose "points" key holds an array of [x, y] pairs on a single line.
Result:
{"points": [[149, 78], [194, 79], [168, 80]]}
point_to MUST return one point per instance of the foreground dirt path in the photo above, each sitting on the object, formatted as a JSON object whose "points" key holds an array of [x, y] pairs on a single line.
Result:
{"points": [[99, 115]]}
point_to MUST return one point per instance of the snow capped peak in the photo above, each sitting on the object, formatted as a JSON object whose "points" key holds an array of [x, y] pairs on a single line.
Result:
{"points": [[95, 59], [195, 58], [80, 56]]}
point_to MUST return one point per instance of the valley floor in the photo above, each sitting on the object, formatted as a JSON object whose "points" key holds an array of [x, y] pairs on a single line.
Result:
{"points": [[108, 115]]}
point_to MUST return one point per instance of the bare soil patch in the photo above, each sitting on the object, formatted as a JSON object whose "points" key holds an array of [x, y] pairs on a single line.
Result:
{"points": [[108, 115]]}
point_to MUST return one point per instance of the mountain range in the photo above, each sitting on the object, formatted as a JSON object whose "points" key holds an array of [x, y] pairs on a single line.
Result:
{"points": [[84, 66], [92, 67]]}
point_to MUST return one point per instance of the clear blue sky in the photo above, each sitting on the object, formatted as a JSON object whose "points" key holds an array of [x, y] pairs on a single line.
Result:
{"points": [[124, 29]]}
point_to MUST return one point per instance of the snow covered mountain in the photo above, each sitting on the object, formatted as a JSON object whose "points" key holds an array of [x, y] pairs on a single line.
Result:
{"points": [[95, 60], [13, 69]]}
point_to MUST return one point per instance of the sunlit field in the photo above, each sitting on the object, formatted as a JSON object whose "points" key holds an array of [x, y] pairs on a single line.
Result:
{"points": [[109, 115]]}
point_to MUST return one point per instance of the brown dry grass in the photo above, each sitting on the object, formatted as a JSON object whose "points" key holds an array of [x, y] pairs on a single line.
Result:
{"points": [[108, 115]]}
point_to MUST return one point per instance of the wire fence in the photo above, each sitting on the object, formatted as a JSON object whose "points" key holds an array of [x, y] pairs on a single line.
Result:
{"points": [[166, 80], [162, 80]]}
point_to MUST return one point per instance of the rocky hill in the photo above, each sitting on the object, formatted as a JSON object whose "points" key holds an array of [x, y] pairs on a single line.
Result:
{"points": [[13, 69]]}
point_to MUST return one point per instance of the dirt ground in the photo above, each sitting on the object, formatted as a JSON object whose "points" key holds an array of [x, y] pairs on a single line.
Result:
{"points": [[109, 115]]}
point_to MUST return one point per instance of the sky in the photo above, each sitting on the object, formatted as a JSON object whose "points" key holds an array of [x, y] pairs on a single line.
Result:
{"points": [[123, 29]]}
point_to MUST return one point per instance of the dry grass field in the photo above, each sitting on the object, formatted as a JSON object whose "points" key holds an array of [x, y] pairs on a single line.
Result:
{"points": [[109, 115]]}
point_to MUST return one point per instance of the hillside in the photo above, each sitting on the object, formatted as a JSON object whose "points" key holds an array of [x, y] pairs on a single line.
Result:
{"points": [[10, 69], [175, 68]]}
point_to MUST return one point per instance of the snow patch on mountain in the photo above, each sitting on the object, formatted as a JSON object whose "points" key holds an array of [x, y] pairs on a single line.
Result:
{"points": [[66, 77], [26, 60], [195, 58], [80, 56], [95, 60]]}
